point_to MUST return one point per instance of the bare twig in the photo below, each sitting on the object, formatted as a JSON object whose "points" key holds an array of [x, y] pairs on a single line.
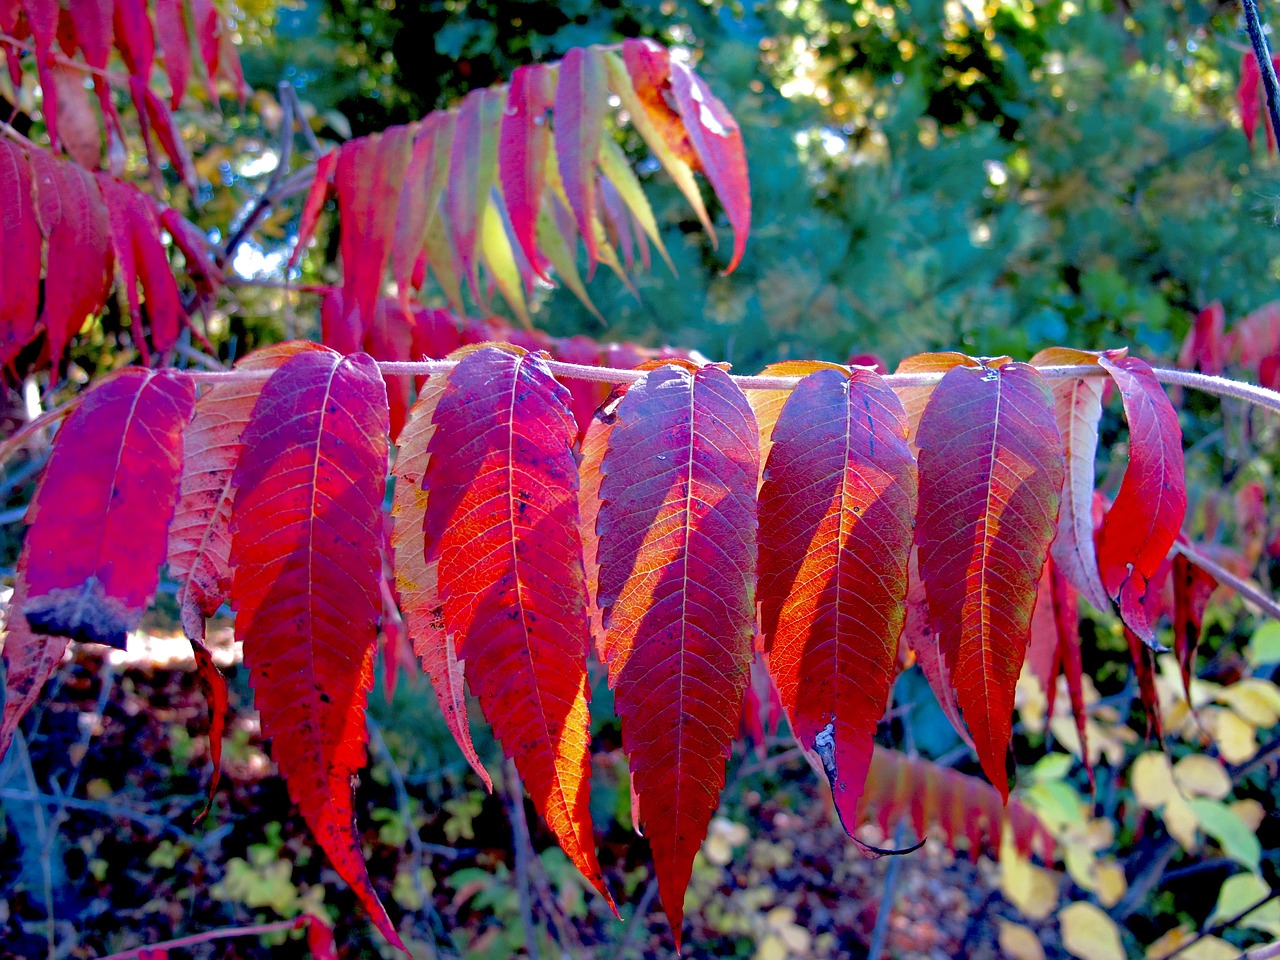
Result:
{"points": [[523, 852], [888, 893], [636, 925], [151, 821], [1241, 585], [219, 934], [1224, 925]]}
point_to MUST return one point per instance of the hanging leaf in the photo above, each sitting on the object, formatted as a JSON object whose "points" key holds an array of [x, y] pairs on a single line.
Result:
{"points": [[617, 171], [717, 140], [914, 399], [317, 196], [20, 265], [99, 521], [171, 30], [502, 521], [595, 443], [413, 211], [215, 692], [369, 176], [73, 220], [305, 560], [199, 551], [581, 105], [1192, 588], [472, 171], [42, 18], [522, 154], [1144, 670], [991, 468], [416, 579], [1144, 521], [768, 404], [677, 558], [836, 513]]}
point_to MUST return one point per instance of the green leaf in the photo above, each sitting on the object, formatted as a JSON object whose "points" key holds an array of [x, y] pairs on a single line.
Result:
{"points": [[1236, 839]]}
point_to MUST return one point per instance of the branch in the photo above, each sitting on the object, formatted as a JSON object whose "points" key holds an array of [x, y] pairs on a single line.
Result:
{"points": [[219, 934], [1262, 50], [1246, 588]]}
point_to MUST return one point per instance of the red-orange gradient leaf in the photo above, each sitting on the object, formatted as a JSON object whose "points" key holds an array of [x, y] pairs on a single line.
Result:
{"points": [[991, 468], [836, 517], [522, 154], [1144, 521], [99, 521], [317, 195], [581, 105], [1192, 588], [305, 557], [502, 520], [677, 529], [200, 535], [416, 579]]}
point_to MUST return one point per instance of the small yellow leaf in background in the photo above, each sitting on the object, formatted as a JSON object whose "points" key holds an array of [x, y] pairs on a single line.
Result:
{"points": [[1206, 948], [1238, 893], [1235, 737], [1088, 933], [1152, 780], [1018, 942], [1111, 882], [1202, 776], [1181, 822], [1033, 890], [1250, 812], [1102, 877], [1256, 700]]}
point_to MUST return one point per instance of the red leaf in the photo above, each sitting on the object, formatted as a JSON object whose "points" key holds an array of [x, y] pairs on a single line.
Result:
{"points": [[587, 395], [836, 516], [991, 468], [1145, 519], [340, 329], [915, 398], [502, 521], [320, 939], [581, 105], [215, 692], [305, 560], [768, 404], [718, 142], [963, 807], [20, 265], [74, 221], [204, 16], [1055, 648], [1077, 405], [1205, 347], [200, 535], [522, 154], [677, 557], [472, 170], [317, 196], [416, 579], [171, 26], [77, 119], [919, 635], [135, 237], [201, 265], [100, 518], [414, 210], [1247, 93], [1192, 588], [1144, 669], [595, 443], [161, 120], [42, 18], [30, 659], [93, 27], [134, 37], [369, 176]]}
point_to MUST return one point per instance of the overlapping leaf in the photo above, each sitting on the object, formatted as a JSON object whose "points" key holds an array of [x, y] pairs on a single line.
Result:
{"points": [[1146, 517], [836, 511], [30, 659], [99, 521], [677, 557], [991, 468], [20, 265], [306, 560], [199, 551], [416, 579], [502, 524]]}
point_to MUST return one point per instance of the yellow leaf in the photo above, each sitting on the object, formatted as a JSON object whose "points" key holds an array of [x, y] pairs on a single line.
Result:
{"points": [[1240, 892], [1152, 780], [1111, 882], [1033, 890], [1206, 948], [1256, 700], [1088, 933], [1250, 812], [1234, 736], [1018, 942], [1202, 776], [1181, 821]]}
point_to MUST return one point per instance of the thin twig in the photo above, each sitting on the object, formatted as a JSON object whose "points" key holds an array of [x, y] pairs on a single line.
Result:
{"points": [[1224, 925], [1262, 50], [151, 821], [10, 445], [637, 922], [1243, 586], [880, 933], [219, 934], [523, 852]]}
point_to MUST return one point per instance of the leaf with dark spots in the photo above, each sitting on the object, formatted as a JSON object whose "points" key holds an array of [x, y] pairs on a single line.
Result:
{"points": [[99, 521]]}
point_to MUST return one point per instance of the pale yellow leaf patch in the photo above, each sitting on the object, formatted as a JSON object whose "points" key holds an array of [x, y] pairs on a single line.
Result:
{"points": [[1088, 933], [1206, 948], [1202, 776], [1018, 942], [1257, 701], [1033, 890], [1236, 738]]}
